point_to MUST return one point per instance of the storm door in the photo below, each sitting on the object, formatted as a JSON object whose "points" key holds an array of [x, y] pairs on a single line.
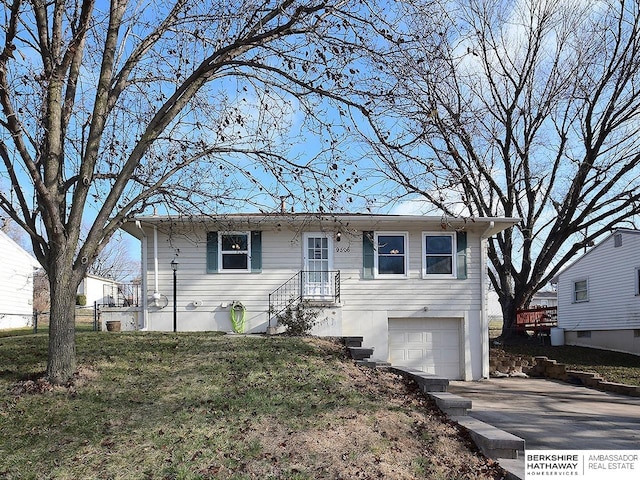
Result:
{"points": [[318, 262]]}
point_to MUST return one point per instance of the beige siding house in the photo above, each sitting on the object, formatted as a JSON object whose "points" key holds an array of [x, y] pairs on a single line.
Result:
{"points": [[16, 284], [599, 295], [413, 286]]}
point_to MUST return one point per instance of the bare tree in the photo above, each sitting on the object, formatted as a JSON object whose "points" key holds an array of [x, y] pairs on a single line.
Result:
{"points": [[520, 108], [115, 262], [111, 107]]}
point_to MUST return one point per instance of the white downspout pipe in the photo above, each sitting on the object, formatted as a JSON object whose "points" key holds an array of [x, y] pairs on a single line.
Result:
{"points": [[145, 280], [155, 261], [484, 318]]}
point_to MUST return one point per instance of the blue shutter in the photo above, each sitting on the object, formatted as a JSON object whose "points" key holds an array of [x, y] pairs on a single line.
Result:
{"points": [[256, 251], [212, 252], [367, 255], [461, 260]]}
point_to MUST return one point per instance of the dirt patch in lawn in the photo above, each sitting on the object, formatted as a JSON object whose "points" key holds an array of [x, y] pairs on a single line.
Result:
{"points": [[410, 438]]}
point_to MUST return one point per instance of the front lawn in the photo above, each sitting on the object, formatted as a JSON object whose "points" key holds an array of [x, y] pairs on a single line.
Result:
{"points": [[204, 406]]}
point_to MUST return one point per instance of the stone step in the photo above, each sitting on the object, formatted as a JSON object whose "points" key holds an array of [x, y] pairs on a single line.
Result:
{"points": [[452, 405], [360, 353], [373, 363], [491, 441], [352, 341], [427, 382]]}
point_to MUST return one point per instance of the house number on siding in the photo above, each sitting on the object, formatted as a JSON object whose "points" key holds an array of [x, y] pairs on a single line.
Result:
{"points": [[343, 249]]}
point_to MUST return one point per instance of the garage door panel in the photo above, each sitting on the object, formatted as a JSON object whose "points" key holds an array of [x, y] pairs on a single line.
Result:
{"points": [[413, 354], [430, 345], [415, 337]]}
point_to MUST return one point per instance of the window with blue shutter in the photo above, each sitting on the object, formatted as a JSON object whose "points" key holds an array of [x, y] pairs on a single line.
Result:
{"points": [[234, 252], [461, 249], [368, 255], [212, 252], [256, 251]]}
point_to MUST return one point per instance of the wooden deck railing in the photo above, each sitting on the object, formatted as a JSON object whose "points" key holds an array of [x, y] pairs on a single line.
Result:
{"points": [[538, 320]]}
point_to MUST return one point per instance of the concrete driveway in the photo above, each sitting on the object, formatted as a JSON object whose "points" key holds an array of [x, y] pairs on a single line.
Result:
{"points": [[550, 415]]}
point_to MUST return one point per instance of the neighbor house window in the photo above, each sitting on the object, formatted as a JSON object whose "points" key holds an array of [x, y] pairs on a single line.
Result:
{"points": [[584, 334], [580, 291], [391, 254], [638, 281], [234, 251], [617, 240], [438, 254]]}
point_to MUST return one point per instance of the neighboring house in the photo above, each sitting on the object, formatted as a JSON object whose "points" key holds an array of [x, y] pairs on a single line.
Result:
{"points": [[543, 298], [100, 290], [16, 284], [599, 295], [413, 286]]}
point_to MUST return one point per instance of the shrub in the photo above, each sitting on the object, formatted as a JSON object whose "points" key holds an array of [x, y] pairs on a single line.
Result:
{"points": [[81, 300], [298, 319]]}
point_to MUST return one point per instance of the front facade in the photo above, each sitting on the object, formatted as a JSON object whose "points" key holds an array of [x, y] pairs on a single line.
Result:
{"points": [[414, 287], [16, 284], [599, 295]]}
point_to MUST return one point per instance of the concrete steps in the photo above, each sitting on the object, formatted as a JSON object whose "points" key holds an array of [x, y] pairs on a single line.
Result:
{"points": [[360, 353], [452, 405], [491, 441]]}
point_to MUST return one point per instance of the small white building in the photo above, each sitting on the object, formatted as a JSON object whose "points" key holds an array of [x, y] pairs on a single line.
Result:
{"points": [[16, 284], [599, 295], [100, 290], [413, 286]]}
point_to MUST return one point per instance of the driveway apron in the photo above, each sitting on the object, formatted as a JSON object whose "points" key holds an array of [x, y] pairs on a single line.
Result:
{"points": [[552, 415]]}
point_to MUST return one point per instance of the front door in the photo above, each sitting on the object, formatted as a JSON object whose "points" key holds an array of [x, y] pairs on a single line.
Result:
{"points": [[318, 262]]}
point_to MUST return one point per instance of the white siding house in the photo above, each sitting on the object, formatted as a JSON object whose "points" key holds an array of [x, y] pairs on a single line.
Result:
{"points": [[414, 287], [599, 295], [16, 284]]}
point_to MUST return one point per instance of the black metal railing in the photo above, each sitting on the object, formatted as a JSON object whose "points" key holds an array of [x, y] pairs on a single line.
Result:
{"points": [[121, 295], [305, 285]]}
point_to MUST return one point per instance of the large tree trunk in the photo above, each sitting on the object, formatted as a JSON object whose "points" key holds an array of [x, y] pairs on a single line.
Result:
{"points": [[61, 363], [509, 312]]}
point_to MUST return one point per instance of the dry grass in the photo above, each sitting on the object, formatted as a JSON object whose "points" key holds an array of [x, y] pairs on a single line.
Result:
{"points": [[204, 406]]}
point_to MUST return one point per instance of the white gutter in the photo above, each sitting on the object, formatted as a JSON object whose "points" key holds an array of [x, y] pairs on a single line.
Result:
{"points": [[143, 275], [484, 318]]}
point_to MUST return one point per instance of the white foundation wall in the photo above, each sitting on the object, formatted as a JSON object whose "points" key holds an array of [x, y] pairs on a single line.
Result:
{"points": [[627, 341]]}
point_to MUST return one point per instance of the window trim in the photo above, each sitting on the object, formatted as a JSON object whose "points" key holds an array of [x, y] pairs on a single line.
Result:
{"points": [[586, 290], [222, 252], [637, 281], [453, 255], [376, 236]]}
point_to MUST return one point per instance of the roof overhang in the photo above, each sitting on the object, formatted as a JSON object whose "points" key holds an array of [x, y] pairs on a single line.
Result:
{"points": [[487, 226]]}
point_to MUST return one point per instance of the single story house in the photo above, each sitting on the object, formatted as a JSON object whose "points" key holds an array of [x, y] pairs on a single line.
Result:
{"points": [[413, 286], [16, 284], [599, 295]]}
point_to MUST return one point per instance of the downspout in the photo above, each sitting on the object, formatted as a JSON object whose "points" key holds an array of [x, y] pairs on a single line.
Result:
{"points": [[143, 276], [155, 261], [484, 318]]}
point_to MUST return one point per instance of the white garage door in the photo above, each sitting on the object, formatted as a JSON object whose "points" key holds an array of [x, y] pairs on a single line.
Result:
{"points": [[431, 345]]}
